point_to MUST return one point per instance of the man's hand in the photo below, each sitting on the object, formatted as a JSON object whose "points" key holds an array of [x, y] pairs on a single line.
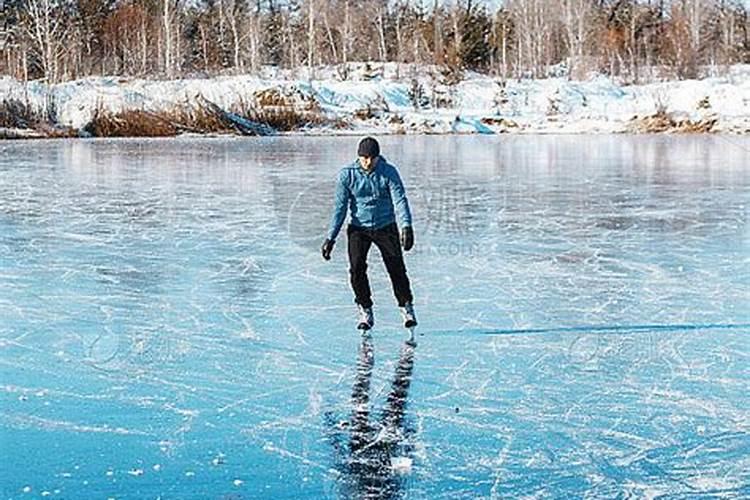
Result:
{"points": [[407, 238], [327, 248]]}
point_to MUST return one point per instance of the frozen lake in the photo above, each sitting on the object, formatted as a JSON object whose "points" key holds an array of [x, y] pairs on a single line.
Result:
{"points": [[168, 328]]}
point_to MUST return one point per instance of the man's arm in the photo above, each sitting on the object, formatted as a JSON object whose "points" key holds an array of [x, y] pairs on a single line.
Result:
{"points": [[340, 206], [400, 203]]}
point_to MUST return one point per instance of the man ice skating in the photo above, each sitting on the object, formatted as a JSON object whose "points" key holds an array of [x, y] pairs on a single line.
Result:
{"points": [[372, 190]]}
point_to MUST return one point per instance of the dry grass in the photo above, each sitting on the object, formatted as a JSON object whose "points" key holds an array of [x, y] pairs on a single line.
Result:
{"points": [[200, 116], [377, 108], [283, 110], [663, 122], [658, 122], [703, 126], [204, 117], [499, 122], [129, 123]]}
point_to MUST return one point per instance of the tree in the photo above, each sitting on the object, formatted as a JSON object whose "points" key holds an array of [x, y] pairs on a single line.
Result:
{"points": [[126, 39], [535, 30], [628, 39], [310, 34], [475, 26], [576, 21], [44, 24]]}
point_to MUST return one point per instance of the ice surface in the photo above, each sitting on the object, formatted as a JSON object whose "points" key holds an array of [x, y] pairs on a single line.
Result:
{"points": [[169, 329]]}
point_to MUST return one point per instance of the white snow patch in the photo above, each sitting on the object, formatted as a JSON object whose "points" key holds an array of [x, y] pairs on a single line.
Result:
{"points": [[596, 105], [401, 465]]}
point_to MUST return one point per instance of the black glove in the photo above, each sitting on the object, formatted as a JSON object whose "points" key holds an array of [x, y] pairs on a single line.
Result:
{"points": [[327, 248], [407, 238]]}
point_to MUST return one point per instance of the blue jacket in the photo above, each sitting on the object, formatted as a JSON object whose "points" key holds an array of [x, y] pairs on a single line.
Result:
{"points": [[370, 197]]}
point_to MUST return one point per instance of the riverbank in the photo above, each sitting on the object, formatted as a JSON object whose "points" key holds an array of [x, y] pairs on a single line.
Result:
{"points": [[369, 98]]}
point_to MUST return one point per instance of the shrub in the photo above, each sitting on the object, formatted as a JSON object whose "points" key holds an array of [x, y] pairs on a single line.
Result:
{"points": [[281, 110], [129, 123], [21, 120], [16, 114], [200, 116]]}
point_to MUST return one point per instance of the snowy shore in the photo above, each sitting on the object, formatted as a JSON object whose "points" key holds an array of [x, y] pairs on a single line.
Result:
{"points": [[392, 99]]}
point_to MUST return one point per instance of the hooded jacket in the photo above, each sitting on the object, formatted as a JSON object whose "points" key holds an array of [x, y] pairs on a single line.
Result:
{"points": [[373, 198]]}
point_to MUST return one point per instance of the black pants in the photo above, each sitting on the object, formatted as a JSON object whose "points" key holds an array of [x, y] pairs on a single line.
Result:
{"points": [[388, 242]]}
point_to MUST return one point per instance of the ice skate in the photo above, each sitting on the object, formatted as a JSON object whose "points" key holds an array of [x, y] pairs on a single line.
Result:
{"points": [[410, 318], [366, 320]]}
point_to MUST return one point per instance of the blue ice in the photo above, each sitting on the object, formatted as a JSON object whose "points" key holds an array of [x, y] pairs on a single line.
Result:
{"points": [[168, 328]]}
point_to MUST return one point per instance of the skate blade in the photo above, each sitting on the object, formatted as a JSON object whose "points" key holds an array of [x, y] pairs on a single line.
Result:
{"points": [[411, 341]]}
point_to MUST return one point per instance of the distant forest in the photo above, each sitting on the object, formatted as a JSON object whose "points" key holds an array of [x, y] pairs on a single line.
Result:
{"points": [[632, 40]]}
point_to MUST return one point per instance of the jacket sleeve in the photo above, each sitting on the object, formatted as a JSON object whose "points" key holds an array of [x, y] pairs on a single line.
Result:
{"points": [[398, 195], [340, 205]]}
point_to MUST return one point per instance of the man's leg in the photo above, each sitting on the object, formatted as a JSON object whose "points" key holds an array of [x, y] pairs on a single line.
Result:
{"points": [[358, 246], [389, 244]]}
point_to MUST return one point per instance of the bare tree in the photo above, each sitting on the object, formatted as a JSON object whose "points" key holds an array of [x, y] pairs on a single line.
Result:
{"points": [[576, 22], [59, 39], [167, 34], [330, 37], [692, 13], [44, 23], [380, 15], [501, 42], [310, 34], [533, 20], [347, 34], [241, 28], [437, 34]]}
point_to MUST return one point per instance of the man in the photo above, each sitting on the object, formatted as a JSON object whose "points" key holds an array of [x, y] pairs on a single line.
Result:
{"points": [[370, 188]]}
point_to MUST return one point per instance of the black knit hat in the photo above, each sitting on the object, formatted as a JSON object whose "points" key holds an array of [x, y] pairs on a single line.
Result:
{"points": [[368, 147]]}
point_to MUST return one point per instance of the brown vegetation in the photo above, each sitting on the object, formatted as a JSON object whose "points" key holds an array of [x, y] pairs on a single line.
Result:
{"points": [[282, 109], [664, 122], [129, 123], [201, 116], [268, 111], [501, 123], [377, 108], [631, 39], [19, 120]]}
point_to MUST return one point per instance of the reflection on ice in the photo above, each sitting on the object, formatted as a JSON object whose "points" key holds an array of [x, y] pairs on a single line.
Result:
{"points": [[377, 453]]}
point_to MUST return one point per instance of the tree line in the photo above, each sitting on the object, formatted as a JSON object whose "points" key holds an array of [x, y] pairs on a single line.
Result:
{"points": [[633, 40]]}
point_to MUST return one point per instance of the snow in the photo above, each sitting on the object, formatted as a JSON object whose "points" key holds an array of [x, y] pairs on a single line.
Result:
{"points": [[554, 105], [401, 465]]}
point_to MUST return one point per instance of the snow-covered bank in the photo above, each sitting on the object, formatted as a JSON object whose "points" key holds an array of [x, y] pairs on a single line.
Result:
{"points": [[381, 100]]}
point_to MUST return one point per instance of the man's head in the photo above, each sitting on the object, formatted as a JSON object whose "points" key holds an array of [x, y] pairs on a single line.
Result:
{"points": [[368, 152]]}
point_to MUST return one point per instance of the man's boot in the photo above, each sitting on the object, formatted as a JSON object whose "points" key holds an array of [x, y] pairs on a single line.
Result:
{"points": [[407, 312], [366, 320]]}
